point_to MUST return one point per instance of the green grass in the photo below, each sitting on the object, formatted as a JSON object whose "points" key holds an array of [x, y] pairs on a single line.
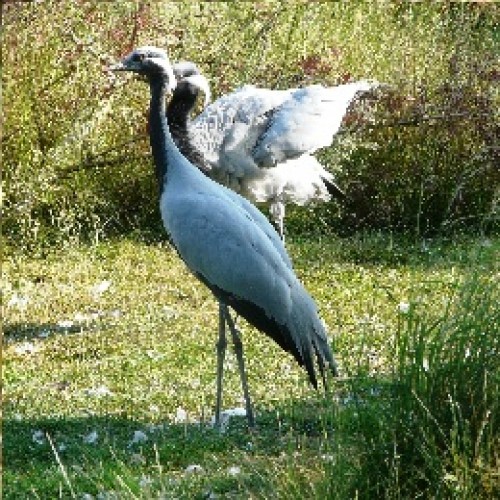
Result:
{"points": [[413, 328]]}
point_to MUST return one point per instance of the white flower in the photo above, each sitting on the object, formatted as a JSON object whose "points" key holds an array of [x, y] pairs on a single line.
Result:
{"points": [[234, 470], [155, 427], [170, 312], [154, 355], [137, 458], [138, 437], [62, 447], [87, 496], [102, 390], [192, 469], [44, 334], [154, 408], [195, 383], [18, 301], [145, 481], [404, 307], [98, 289], [91, 438], [26, 348], [226, 416], [327, 457], [65, 324], [181, 416], [80, 317], [38, 437]]}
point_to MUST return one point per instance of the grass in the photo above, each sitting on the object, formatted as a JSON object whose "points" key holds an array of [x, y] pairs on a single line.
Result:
{"points": [[105, 340]]}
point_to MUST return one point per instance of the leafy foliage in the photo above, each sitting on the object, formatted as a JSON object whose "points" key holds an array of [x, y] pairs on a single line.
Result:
{"points": [[75, 153]]}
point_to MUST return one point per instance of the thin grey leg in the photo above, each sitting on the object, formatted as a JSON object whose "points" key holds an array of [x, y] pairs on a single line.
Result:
{"points": [[282, 222], [238, 347], [221, 354], [277, 210]]}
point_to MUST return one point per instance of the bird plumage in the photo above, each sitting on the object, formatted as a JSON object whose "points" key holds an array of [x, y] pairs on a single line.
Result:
{"points": [[259, 142], [226, 241]]}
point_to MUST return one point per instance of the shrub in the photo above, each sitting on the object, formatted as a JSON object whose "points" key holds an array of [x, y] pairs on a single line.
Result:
{"points": [[75, 152]]}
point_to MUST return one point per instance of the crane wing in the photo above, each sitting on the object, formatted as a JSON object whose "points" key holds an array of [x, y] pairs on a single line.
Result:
{"points": [[306, 122], [228, 129], [226, 248]]}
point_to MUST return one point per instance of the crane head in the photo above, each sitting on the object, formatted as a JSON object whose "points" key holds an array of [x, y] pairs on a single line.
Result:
{"points": [[148, 61], [188, 75]]}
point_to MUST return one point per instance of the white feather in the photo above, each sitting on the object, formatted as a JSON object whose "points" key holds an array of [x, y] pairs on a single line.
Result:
{"points": [[259, 141]]}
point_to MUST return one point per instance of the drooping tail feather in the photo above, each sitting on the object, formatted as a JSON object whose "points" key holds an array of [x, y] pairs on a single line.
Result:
{"points": [[333, 189]]}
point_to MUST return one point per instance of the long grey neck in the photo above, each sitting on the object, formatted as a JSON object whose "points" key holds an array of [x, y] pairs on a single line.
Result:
{"points": [[162, 144]]}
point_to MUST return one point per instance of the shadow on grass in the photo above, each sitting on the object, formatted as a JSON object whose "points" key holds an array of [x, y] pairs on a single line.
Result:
{"points": [[36, 451], [40, 331], [179, 444]]}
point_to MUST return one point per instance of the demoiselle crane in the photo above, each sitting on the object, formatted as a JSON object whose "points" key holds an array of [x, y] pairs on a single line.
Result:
{"points": [[229, 245], [259, 142]]}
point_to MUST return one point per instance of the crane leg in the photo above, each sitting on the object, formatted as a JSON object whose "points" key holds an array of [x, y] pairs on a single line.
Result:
{"points": [[238, 347], [277, 210], [221, 354]]}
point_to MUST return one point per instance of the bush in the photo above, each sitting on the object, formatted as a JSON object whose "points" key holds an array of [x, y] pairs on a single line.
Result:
{"points": [[75, 151]]}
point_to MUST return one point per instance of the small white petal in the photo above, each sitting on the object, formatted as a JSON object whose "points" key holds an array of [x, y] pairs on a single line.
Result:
{"points": [[87, 496], [425, 364], [80, 317], [226, 416], [154, 355], [26, 348], [404, 307], [101, 287], [99, 391], [18, 301], [62, 447], [65, 323], [234, 470], [170, 312], [137, 458], [181, 415], [195, 383], [139, 437], [145, 481], [195, 468], [38, 437], [91, 438]]}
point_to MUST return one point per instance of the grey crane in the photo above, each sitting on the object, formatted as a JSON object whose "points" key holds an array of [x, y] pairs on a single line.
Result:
{"points": [[229, 245], [259, 142]]}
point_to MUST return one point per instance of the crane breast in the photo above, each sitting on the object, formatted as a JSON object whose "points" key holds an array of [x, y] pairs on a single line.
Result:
{"points": [[220, 242]]}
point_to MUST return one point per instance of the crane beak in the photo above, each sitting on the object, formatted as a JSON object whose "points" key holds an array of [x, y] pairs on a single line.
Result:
{"points": [[125, 66], [117, 67]]}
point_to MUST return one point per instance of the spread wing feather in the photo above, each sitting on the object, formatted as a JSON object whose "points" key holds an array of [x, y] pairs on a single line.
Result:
{"points": [[306, 122]]}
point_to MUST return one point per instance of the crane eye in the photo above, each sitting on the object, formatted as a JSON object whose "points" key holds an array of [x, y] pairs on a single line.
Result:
{"points": [[138, 57]]}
